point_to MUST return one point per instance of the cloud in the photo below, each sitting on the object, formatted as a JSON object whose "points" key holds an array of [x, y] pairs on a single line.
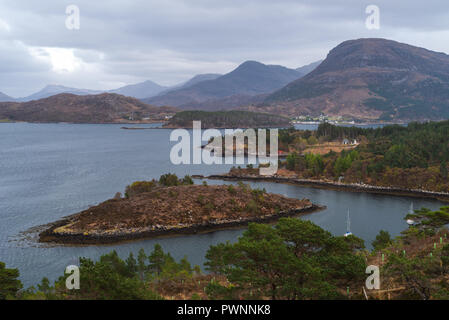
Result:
{"points": [[122, 42]]}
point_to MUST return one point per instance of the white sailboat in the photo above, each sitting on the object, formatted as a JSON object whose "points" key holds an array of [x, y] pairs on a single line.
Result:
{"points": [[348, 226], [411, 211]]}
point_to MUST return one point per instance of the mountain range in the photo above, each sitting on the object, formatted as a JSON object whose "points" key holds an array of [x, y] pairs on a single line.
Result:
{"points": [[250, 83], [370, 79], [249, 79], [196, 79], [140, 90], [51, 90]]}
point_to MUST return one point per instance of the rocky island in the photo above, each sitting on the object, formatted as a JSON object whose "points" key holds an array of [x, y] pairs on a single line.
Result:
{"points": [[172, 206]]}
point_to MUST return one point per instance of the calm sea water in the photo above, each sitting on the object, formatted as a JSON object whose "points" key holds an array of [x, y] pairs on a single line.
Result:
{"points": [[48, 171]]}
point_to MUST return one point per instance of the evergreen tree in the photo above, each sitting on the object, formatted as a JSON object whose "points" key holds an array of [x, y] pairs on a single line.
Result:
{"points": [[131, 264], [9, 284], [157, 259], [383, 240], [141, 266], [295, 260], [44, 286]]}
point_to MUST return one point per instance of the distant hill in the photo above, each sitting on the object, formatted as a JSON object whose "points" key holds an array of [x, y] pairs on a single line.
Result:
{"points": [[4, 97], [227, 119], [371, 79], [308, 68], [66, 107], [140, 90], [251, 78], [197, 79], [192, 81], [51, 90]]}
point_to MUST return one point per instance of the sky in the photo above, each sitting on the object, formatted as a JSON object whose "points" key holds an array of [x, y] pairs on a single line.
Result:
{"points": [[169, 41]]}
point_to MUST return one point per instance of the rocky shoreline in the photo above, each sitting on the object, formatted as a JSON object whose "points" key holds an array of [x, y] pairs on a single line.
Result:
{"points": [[175, 210], [50, 235], [351, 187]]}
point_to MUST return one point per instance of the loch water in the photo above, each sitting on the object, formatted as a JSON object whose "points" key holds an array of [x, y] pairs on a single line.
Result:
{"points": [[48, 171]]}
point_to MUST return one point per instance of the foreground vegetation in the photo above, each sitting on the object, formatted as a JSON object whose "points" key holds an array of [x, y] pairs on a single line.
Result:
{"points": [[294, 259]]}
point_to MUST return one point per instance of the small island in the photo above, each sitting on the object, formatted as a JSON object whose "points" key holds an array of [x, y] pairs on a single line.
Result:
{"points": [[172, 206]]}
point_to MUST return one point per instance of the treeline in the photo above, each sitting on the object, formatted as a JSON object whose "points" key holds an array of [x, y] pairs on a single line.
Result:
{"points": [[295, 259], [109, 278], [228, 119], [417, 144], [332, 132], [332, 165], [414, 156]]}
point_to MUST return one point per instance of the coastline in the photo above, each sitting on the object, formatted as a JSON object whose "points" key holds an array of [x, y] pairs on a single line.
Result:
{"points": [[49, 236], [349, 187], [222, 127]]}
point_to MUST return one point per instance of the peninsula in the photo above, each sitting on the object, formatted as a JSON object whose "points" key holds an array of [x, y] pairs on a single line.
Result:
{"points": [[227, 120]]}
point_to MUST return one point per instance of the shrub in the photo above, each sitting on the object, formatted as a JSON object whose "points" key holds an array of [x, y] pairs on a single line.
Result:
{"points": [[245, 187], [258, 194], [209, 207], [169, 179], [201, 199], [187, 180], [139, 187], [231, 189], [252, 206], [172, 194]]}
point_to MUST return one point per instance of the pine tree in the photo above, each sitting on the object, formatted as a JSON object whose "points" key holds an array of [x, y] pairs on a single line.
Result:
{"points": [[157, 259], [44, 286], [383, 240], [131, 264], [141, 266], [9, 284]]}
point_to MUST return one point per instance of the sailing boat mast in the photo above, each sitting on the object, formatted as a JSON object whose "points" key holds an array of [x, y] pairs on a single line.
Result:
{"points": [[348, 223], [348, 226], [411, 211]]}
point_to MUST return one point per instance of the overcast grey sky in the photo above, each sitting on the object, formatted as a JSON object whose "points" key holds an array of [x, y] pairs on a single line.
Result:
{"points": [[168, 41]]}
